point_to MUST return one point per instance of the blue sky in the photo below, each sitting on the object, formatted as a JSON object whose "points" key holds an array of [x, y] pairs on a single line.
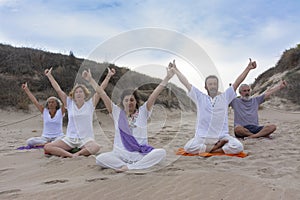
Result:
{"points": [[229, 31]]}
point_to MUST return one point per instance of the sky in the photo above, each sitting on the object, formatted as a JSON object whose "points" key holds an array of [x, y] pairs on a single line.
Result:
{"points": [[227, 32]]}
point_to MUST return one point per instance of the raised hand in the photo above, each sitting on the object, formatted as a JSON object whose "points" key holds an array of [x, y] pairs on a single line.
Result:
{"points": [[252, 64], [172, 65], [87, 75], [283, 84], [48, 71], [111, 72], [24, 86], [171, 70]]}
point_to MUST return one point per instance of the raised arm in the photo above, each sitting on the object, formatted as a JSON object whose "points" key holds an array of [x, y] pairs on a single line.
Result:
{"points": [[152, 98], [274, 89], [241, 78], [32, 98], [100, 93], [62, 95], [107, 101], [110, 73], [180, 76]]}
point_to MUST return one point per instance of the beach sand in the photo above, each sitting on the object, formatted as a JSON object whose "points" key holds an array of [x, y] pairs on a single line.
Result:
{"points": [[270, 171]]}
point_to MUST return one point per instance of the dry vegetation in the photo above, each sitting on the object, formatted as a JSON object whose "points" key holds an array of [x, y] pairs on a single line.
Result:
{"points": [[19, 65], [287, 68]]}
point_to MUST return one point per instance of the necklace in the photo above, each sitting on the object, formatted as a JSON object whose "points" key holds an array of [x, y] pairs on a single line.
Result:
{"points": [[132, 119], [213, 101]]}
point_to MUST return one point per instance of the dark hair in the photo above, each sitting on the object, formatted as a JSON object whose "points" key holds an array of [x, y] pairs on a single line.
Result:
{"points": [[58, 103], [130, 92], [211, 76]]}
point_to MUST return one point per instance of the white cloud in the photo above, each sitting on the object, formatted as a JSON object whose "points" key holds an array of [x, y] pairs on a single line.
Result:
{"points": [[229, 31]]}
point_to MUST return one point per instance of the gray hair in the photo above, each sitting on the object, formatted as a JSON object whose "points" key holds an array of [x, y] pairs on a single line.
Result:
{"points": [[241, 86], [58, 102]]}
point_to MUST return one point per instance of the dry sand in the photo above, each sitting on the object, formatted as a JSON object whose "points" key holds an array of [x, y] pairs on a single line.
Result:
{"points": [[270, 171]]}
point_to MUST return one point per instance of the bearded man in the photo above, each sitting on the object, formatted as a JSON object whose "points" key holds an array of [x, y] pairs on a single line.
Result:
{"points": [[246, 112], [212, 133]]}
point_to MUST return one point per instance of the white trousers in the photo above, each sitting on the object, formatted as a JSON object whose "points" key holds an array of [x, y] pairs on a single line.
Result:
{"points": [[201, 145], [115, 161], [40, 140]]}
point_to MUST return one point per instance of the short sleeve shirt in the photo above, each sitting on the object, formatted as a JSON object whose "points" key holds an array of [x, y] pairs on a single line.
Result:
{"points": [[137, 124], [80, 124], [212, 114], [52, 127], [246, 111]]}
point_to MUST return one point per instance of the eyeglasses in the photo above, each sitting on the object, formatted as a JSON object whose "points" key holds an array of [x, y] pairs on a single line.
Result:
{"points": [[246, 90]]}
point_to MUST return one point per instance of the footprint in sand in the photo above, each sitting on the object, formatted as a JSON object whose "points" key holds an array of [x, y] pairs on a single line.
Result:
{"points": [[170, 170], [10, 191], [96, 179], [56, 181], [6, 169]]}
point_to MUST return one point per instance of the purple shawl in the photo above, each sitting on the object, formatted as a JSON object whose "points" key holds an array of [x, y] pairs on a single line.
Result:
{"points": [[128, 139]]}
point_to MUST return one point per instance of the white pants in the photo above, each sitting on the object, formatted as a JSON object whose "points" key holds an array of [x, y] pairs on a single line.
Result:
{"points": [[40, 140], [201, 145], [115, 161]]}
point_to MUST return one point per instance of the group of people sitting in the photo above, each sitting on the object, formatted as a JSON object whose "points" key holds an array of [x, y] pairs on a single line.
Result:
{"points": [[131, 149]]}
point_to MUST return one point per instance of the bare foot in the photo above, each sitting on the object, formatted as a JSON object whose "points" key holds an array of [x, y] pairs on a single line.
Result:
{"points": [[224, 140], [218, 146], [75, 155], [124, 168], [221, 142]]}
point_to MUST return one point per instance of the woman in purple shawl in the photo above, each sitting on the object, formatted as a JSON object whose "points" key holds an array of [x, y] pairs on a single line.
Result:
{"points": [[131, 149]]}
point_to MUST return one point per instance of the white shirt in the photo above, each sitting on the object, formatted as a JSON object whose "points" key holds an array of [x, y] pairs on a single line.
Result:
{"points": [[138, 126], [52, 127], [80, 120], [212, 114]]}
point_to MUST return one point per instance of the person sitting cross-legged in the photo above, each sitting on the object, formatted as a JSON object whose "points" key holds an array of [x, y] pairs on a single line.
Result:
{"points": [[246, 112]]}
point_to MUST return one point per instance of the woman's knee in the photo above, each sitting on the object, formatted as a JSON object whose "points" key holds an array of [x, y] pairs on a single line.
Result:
{"points": [[92, 147], [99, 159], [160, 152], [30, 142], [48, 147], [103, 159]]}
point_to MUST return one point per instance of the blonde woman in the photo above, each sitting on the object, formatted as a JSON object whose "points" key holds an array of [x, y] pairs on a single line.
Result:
{"points": [[80, 121]]}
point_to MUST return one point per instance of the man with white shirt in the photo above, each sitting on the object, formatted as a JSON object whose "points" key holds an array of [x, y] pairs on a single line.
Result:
{"points": [[212, 134]]}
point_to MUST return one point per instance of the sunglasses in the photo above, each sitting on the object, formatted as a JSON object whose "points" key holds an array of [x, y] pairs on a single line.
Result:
{"points": [[246, 90]]}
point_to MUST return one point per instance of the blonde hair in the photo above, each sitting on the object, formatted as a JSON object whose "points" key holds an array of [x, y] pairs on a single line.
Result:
{"points": [[83, 87]]}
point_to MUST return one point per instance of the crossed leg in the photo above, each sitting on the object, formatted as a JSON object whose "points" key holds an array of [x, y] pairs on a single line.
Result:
{"points": [[240, 131], [218, 146]]}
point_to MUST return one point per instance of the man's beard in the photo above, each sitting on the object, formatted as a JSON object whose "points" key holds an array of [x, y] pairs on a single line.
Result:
{"points": [[246, 97], [213, 92]]}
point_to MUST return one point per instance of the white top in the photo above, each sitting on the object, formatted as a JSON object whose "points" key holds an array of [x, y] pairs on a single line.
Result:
{"points": [[138, 126], [52, 127], [212, 114], [80, 120]]}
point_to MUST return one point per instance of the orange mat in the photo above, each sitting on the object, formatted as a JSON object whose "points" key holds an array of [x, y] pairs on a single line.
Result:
{"points": [[182, 152]]}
